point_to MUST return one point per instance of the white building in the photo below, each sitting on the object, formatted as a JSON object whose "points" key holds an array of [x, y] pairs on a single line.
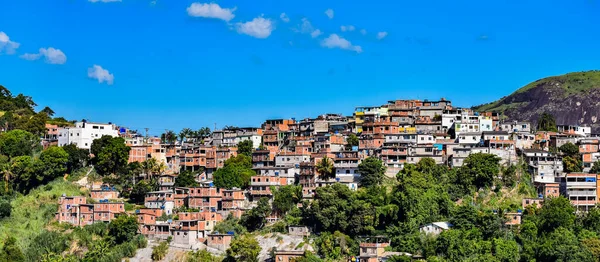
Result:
{"points": [[83, 134], [435, 228]]}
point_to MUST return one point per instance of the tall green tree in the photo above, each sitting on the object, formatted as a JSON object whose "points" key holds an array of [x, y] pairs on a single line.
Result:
{"points": [[18, 143], [245, 147], [78, 157], [556, 212], [372, 172], [236, 172], [256, 217], [10, 251], [244, 248], [54, 160], [351, 140], [123, 228], [546, 122], [285, 198], [113, 157], [483, 167], [186, 179], [325, 168], [569, 149]]}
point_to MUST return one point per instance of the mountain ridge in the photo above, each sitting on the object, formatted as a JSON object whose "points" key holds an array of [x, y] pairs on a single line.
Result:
{"points": [[572, 98]]}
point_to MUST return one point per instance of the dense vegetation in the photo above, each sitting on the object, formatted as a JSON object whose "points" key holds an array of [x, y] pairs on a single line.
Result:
{"points": [[474, 199]]}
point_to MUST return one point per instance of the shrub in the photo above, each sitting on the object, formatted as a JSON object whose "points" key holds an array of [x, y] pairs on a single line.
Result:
{"points": [[159, 252]]}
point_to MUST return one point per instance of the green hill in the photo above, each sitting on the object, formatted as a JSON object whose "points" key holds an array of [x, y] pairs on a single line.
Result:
{"points": [[572, 99]]}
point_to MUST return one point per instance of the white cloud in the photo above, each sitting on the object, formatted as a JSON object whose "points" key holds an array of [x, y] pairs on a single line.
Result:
{"points": [[335, 41], [211, 10], [284, 18], [6, 45], [51, 56], [307, 28], [259, 27], [363, 31], [329, 13], [100, 74], [345, 28], [316, 33], [381, 35], [104, 1]]}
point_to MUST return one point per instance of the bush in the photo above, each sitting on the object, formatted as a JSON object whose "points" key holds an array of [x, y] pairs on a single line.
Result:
{"points": [[5, 208], [159, 252]]}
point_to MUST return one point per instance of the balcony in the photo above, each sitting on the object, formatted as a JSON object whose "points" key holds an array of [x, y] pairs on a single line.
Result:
{"points": [[265, 183], [266, 192], [345, 164], [583, 202]]}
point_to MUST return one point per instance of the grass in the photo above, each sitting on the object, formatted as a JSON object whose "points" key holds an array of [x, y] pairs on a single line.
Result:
{"points": [[32, 212]]}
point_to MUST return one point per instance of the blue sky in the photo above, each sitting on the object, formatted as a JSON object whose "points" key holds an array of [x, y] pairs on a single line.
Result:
{"points": [[174, 64]]}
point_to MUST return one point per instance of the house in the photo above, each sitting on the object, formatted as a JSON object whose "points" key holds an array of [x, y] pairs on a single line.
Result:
{"points": [[536, 202], [234, 198], [543, 165], [83, 134], [161, 200], [219, 241], [287, 255], [584, 131], [299, 231], [372, 252], [105, 192], [435, 228], [513, 218], [581, 190], [76, 211], [204, 198]]}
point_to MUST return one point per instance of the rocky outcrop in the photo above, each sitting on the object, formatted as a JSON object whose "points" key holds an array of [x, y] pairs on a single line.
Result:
{"points": [[572, 99]]}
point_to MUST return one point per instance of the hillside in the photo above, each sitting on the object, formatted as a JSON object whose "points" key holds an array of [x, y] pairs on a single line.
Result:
{"points": [[572, 98]]}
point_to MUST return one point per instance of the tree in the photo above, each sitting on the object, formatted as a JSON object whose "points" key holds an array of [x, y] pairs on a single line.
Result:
{"points": [[113, 157], [556, 212], [186, 179], [11, 251], [243, 248], [35, 124], [230, 224], [140, 189], [595, 168], [201, 256], [257, 216], [54, 160], [562, 245], [593, 245], [351, 140], [569, 149], [335, 246], [483, 167], [372, 172], [18, 143], [123, 228], [236, 172], [99, 144], [245, 147], [78, 157], [48, 111], [159, 252], [325, 168], [169, 137], [509, 176], [184, 134], [286, 197], [572, 164], [5, 208], [546, 122]]}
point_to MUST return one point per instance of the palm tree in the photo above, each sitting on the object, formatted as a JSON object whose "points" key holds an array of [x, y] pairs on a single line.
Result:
{"points": [[185, 134], [7, 176], [169, 137], [149, 166], [325, 168]]}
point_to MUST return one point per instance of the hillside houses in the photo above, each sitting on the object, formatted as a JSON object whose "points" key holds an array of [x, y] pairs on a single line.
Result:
{"points": [[287, 152]]}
